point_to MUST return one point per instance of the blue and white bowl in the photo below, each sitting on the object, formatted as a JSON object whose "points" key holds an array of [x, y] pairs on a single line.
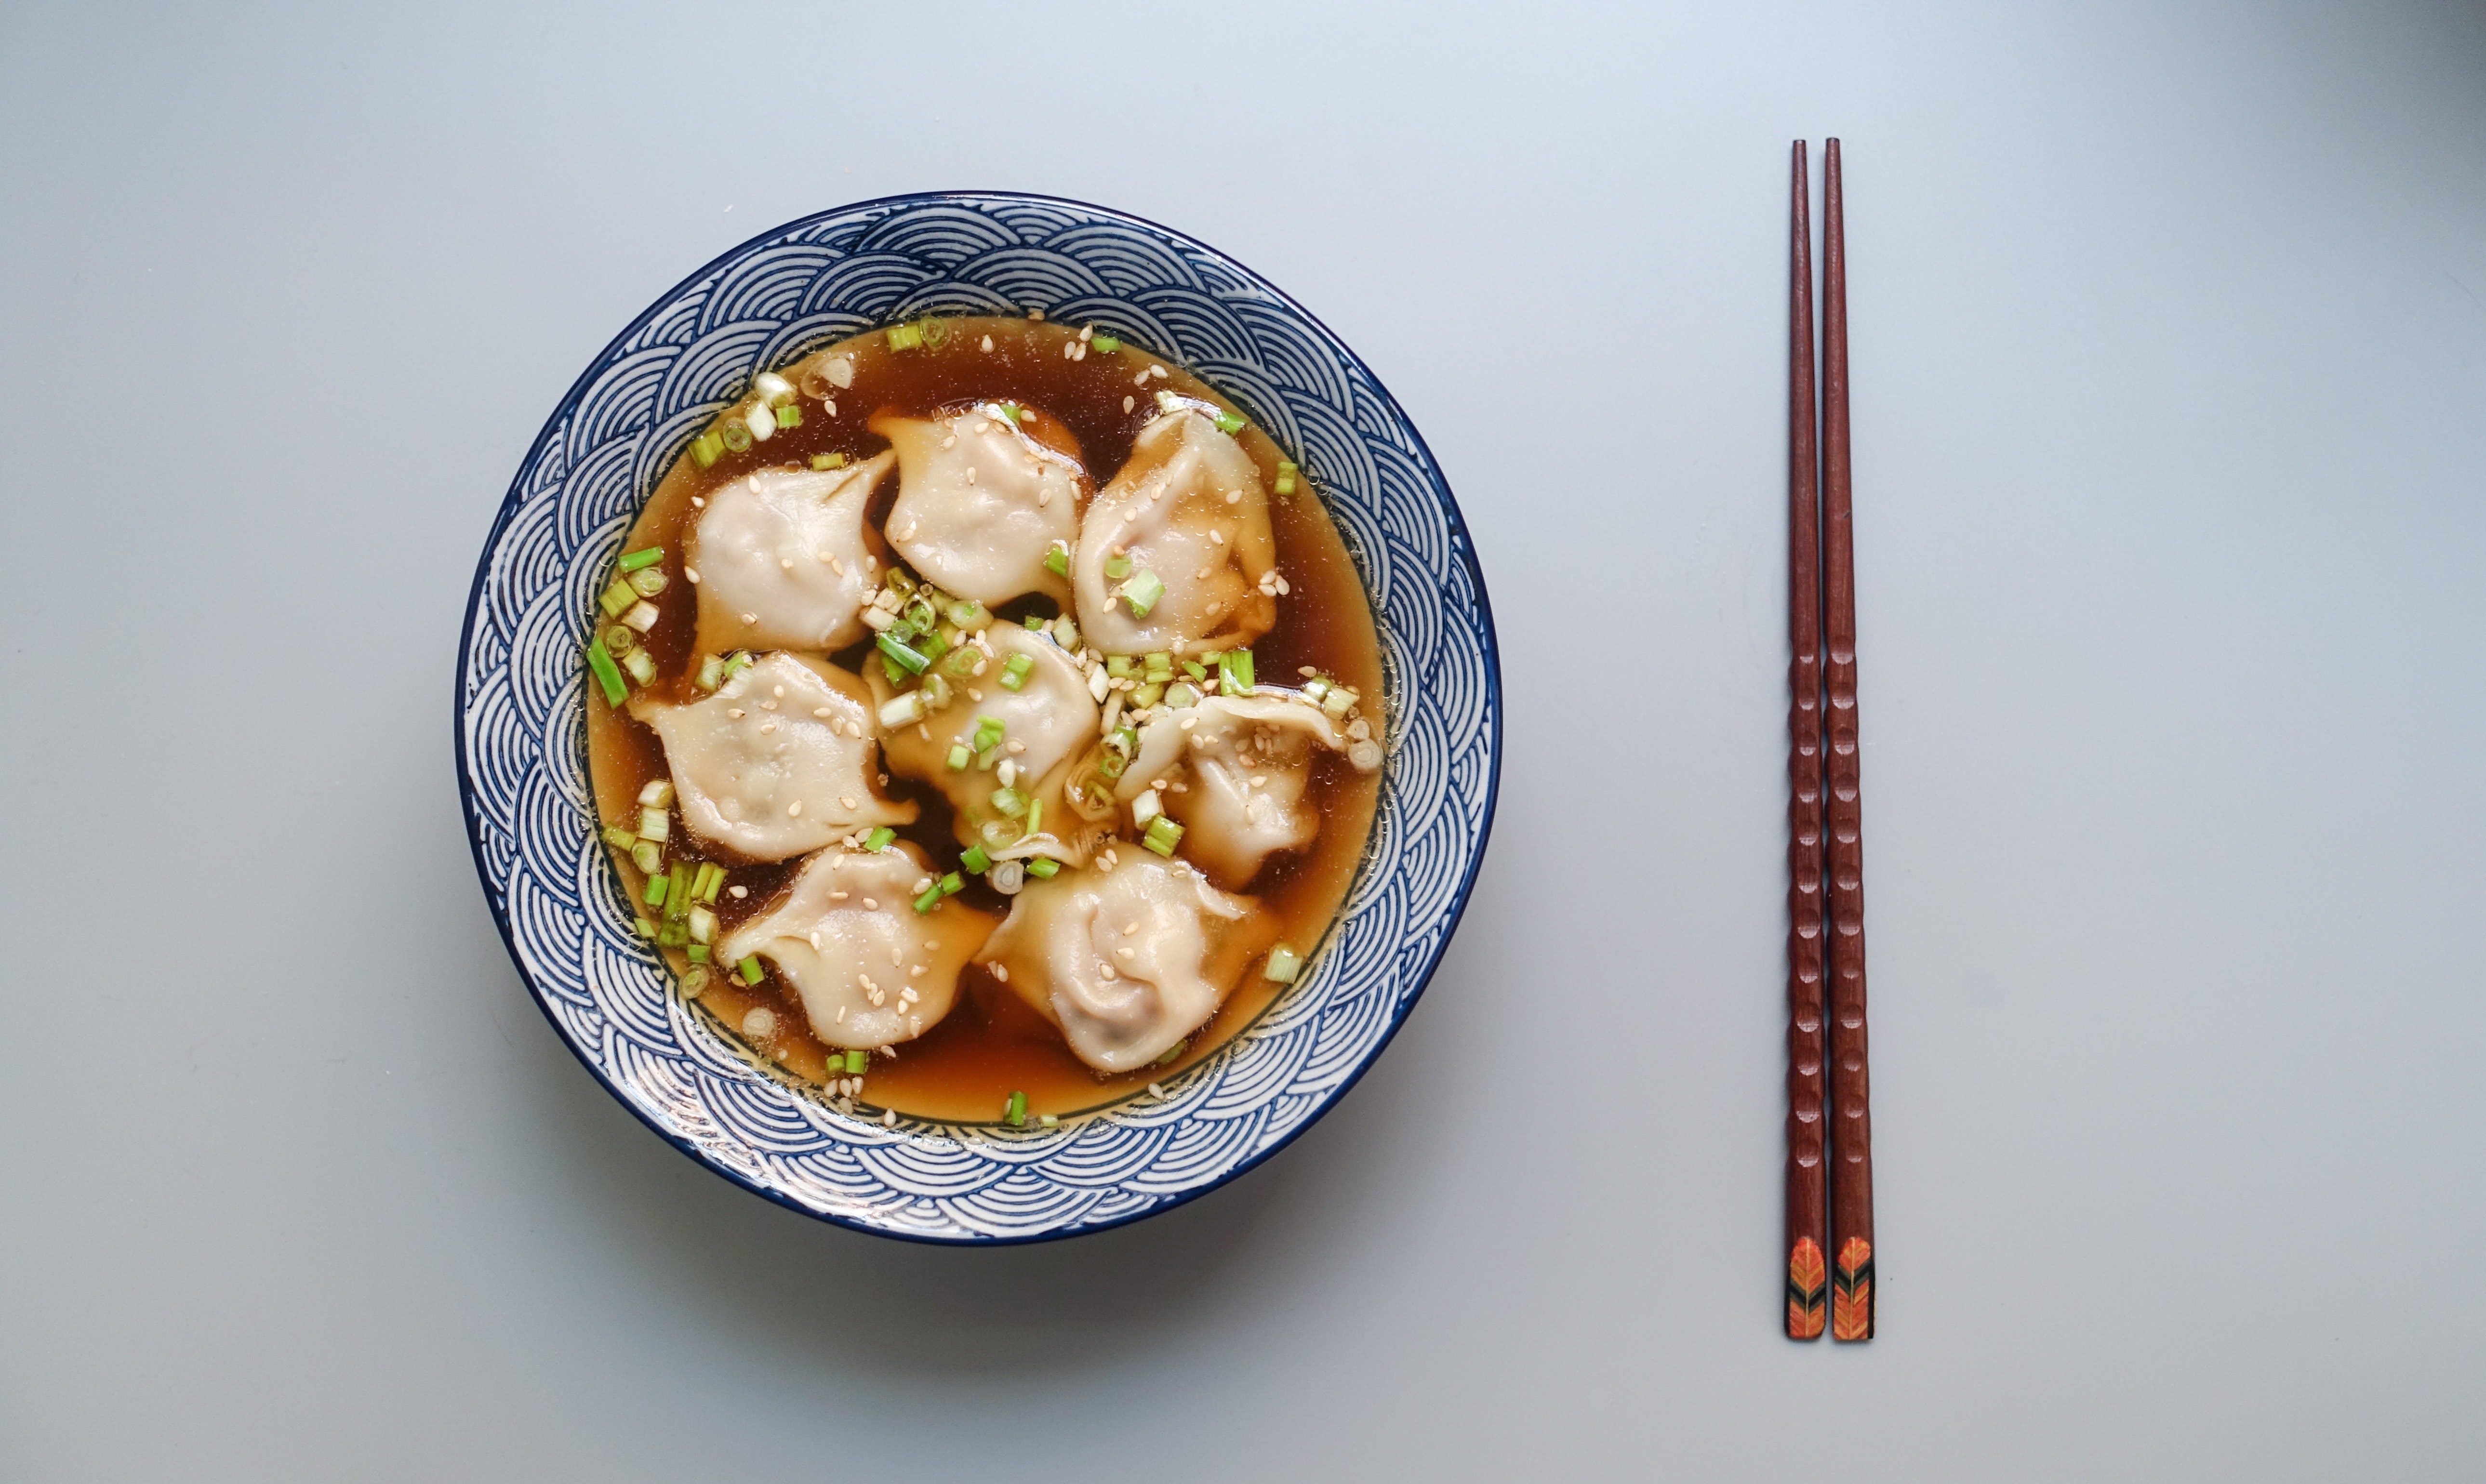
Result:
{"points": [[521, 711]]}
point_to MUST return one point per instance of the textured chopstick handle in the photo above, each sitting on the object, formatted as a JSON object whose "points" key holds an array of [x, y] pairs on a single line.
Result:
{"points": [[1851, 1136], [1807, 1233]]}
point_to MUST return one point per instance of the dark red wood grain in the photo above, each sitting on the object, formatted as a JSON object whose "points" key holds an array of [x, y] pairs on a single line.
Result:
{"points": [[1807, 1233]]}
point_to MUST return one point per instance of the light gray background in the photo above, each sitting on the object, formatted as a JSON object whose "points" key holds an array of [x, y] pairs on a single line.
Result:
{"points": [[2170, 384]]}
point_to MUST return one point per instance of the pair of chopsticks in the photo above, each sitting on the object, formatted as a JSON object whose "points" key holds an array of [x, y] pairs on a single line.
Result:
{"points": [[1829, 1190]]}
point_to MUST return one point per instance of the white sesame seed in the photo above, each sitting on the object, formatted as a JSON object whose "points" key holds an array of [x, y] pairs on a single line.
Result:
{"points": [[1017, 746], [795, 808], [1128, 402], [822, 712], [915, 972], [1106, 969], [844, 801], [835, 565], [785, 563], [869, 905], [698, 503], [1157, 1090], [734, 713], [988, 342], [889, 1118], [691, 572], [1157, 371], [750, 617], [835, 897], [1189, 722], [1216, 537], [766, 728], [1001, 971], [970, 479], [737, 892]]}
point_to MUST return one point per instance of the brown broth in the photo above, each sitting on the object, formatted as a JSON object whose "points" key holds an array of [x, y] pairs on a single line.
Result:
{"points": [[964, 1068]]}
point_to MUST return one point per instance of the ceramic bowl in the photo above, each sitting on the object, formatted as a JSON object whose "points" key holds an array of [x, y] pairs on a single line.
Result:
{"points": [[522, 688]]}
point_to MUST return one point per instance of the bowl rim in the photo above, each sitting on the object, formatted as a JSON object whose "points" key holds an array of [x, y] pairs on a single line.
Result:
{"points": [[1422, 981]]}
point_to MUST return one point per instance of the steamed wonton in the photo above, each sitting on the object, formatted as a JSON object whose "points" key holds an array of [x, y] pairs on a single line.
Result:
{"points": [[778, 761], [782, 560], [1127, 960], [868, 975], [980, 503], [1047, 724], [1242, 765], [1188, 511]]}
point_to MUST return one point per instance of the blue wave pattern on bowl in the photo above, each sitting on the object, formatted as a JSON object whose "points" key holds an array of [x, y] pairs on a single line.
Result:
{"points": [[522, 697]]}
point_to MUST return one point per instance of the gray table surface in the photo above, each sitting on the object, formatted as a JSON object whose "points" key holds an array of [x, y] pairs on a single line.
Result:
{"points": [[2171, 360]]}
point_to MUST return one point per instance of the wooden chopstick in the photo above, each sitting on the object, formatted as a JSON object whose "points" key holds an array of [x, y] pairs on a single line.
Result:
{"points": [[1851, 1136], [1808, 1232]]}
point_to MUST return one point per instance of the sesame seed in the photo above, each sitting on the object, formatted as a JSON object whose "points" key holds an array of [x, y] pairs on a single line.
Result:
{"points": [[835, 565], [822, 712], [869, 905], [1017, 746], [769, 705], [1128, 928], [844, 801], [1216, 537], [1155, 1089], [698, 503], [1307, 672], [915, 971], [1070, 350], [734, 713], [835, 897], [1128, 402], [765, 728], [970, 479], [1126, 953], [889, 1119], [1157, 371], [1202, 574], [1190, 721], [795, 808], [692, 573], [785, 563], [1001, 971], [737, 892], [1140, 380], [1088, 332], [816, 940], [750, 617], [841, 1013], [1106, 969]]}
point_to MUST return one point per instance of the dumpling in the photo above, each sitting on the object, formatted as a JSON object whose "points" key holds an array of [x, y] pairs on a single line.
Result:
{"points": [[1240, 767], [778, 761], [781, 559], [1127, 960], [1047, 724], [979, 503], [871, 970], [1188, 515]]}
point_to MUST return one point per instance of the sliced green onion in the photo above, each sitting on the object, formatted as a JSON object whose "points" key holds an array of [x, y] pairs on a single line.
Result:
{"points": [[643, 927], [1315, 688], [931, 898], [1234, 675], [619, 837], [620, 639], [654, 824], [616, 600], [1043, 867], [1047, 1120], [1013, 675], [1108, 344], [1011, 802], [1124, 740], [827, 461], [1286, 965], [951, 884], [988, 734], [1162, 835], [1058, 560], [1015, 1113], [962, 662], [905, 337], [959, 757], [900, 656], [790, 415], [933, 328], [656, 793], [1183, 695], [1340, 702], [1230, 422], [711, 877], [736, 436], [1010, 413], [1141, 592], [647, 856], [856, 1061], [607, 674], [698, 953], [703, 924], [737, 663], [975, 860], [643, 616], [673, 935], [648, 582], [1196, 669], [677, 895], [932, 646], [657, 886], [1065, 632], [1173, 1051], [1033, 624], [706, 448], [1110, 767], [1118, 666], [1035, 815], [878, 840], [1286, 472], [642, 667], [1160, 666], [1117, 568], [1167, 402], [711, 672], [749, 968], [646, 556], [1149, 694], [968, 613]]}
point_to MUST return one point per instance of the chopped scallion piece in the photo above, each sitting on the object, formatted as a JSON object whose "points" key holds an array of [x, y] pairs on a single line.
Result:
{"points": [[1065, 632], [1013, 675], [619, 837], [1047, 1120], [1315, 688], [1340, 702], [1117, 568], [1118, 666], [643, 927], [1196, 669], [968, 613], [1160, 666], [1034, 624], [1110, 767], [620, 639], [856, 1061], [646, 556], [1124, 740], [932, 646], [710, 878], [640, 665], [643, 616], [1173, 1051], [825, 462], [711, 672], [878, 840], [1286, 472], [959, 757], [673, 935], [706, 448], [951, 884], [1183, 695], [1010, 413], [615, 599], [1011, 802], [975, 860], [900, 656], [1286, 965], [749, 968], [677, 895], [697, 952], [1234, 672], [1149, 694], [1035, 815], [703, 924], [1058, 560], [1042, 867], [1015, 1113], [1230, 422], [648, 582], [737, 663], [905, 337], [1141, 592], [736, 436], [647, 856], [988, 734], [790, 415], [1108, 344], [654, 823], [931, 898], [1162, 835], [607, 674], [657, 793], [657, 886]]}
